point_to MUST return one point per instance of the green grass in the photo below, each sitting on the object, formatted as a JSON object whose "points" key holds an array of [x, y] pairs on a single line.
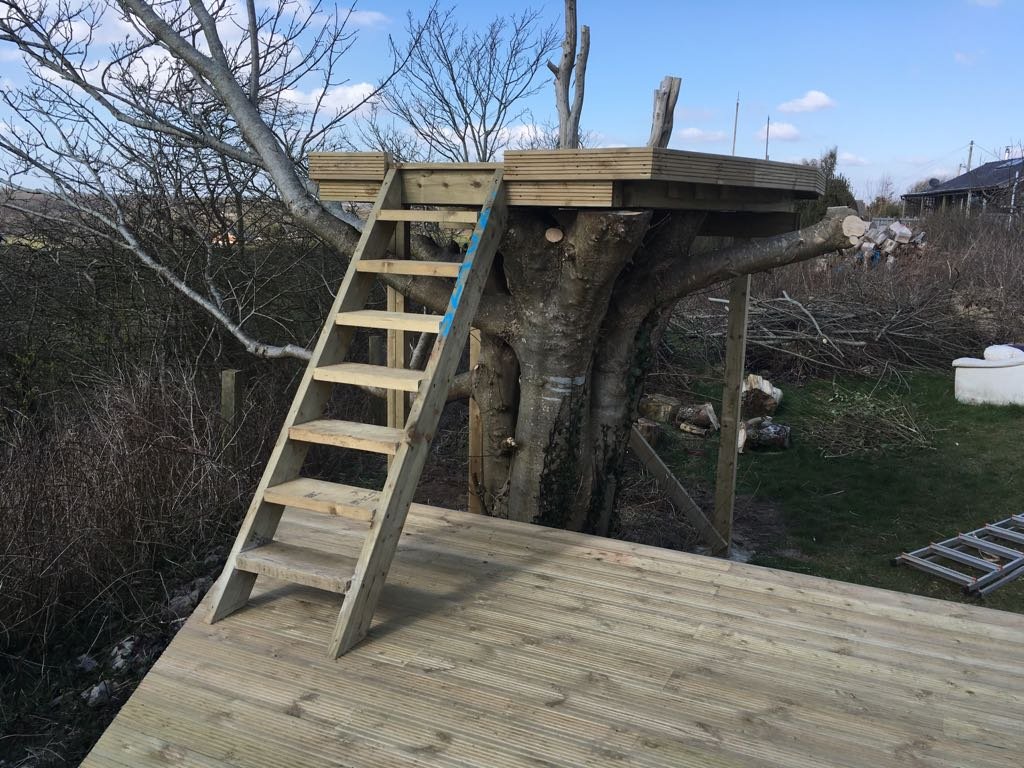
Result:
{"points": [[848, 517]]}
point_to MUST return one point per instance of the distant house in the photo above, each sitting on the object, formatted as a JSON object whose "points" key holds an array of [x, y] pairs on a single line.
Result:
{"points": [[992, 188]]}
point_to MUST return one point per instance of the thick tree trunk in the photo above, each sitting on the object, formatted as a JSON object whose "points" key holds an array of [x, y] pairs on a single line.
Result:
{"points": [[559, 380], [560, 294]]}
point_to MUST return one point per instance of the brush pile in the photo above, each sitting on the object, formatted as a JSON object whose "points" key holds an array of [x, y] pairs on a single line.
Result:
{"points": [[829, 334]]}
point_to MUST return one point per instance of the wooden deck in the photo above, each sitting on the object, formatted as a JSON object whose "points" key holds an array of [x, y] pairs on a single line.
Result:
{"points": [[756, 196], [502, 644]]}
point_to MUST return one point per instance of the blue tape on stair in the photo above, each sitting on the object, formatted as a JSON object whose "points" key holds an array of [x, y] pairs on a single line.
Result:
{"points": [[460, 281]]}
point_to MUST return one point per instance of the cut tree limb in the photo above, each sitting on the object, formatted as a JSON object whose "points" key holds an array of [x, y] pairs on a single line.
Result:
{"points": [[569, 110], [665, 98]]}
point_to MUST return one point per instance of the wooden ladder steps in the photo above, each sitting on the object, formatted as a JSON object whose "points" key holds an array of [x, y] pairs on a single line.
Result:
{"points": [[449, 216], [410, 267], [361, 374], [398, 321], [349, 434], [330, 498], [299, 565]]}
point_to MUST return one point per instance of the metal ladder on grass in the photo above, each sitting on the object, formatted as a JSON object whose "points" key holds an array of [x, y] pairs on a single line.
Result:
{"points": [[255, 552], [992, 556]]}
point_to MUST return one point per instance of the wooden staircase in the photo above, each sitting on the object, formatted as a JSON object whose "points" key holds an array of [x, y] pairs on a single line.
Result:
{"points": [[255, 552]]}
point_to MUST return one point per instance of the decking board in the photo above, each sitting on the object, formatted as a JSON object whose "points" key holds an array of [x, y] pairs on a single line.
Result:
{"points": [[500, 644], [582, 178]]}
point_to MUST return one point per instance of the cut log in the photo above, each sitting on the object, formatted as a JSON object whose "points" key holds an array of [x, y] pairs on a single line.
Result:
{"points": [[900, 232], [763, 434], [649, 430], [876, 235], [692, 429], [661, 408], [760, 397], [854, 226], [702, 416]]}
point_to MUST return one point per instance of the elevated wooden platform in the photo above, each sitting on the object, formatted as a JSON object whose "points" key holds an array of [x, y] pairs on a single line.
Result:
{"points": [[502, 644], [756, 196]]}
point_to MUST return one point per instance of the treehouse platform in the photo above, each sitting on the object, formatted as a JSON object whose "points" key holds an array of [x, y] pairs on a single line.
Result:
{"points": [[504, 644], [743, 196]]}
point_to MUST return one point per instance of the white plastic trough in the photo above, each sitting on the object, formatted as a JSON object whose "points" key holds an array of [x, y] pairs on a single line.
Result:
{"points": [[998, 381]]}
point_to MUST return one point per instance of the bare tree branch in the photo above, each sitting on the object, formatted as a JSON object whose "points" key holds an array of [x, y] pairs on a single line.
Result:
{"points": [[569, 111]]}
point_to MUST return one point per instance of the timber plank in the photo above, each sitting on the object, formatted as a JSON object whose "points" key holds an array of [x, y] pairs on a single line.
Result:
{"points": [[361, 374], [348, 434], [402, 321], [411, 267], [329, 498], [298, 565]]}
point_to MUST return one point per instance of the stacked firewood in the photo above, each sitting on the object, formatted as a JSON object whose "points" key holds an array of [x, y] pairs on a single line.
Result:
{"points": [[758, 430], [888, 241]]}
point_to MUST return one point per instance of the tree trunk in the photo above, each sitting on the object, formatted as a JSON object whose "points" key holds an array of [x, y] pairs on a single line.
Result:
{"points": [[584, 329]]}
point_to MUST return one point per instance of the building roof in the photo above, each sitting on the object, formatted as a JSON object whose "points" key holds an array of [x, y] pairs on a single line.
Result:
{"points": [[998, 173]]}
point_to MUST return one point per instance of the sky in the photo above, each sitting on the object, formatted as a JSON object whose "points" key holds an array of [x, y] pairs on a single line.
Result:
{"points": [[900, 88]]}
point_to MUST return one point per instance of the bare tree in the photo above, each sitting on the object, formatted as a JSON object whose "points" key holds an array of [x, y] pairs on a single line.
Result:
{"points": [[462, 91], [207, 110]]}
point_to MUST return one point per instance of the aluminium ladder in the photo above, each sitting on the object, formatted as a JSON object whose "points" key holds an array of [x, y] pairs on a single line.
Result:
{"points": [[255, 552], [992, 555]]}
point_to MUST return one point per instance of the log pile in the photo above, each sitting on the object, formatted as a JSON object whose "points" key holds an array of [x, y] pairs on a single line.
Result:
{"points": [[888, 241], [758, 431]]}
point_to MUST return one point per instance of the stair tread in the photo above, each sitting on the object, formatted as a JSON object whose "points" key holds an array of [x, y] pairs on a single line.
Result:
{"points": [[348, 434], [363, 374], [454, 216], [322, 496], [411, 267], [379, 318], [300, 565]]}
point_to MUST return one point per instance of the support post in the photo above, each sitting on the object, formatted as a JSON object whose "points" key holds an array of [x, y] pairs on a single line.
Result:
{"points": [[735, 353], [476, 434], [396, 339], [232, 392], [378, 355]]}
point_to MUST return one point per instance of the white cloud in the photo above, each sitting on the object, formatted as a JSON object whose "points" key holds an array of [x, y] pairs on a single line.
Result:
{"points": [[699, 136], [780, 132], [849, 158], [368, 19], [340, 97], [812, 101], [962, 58]]}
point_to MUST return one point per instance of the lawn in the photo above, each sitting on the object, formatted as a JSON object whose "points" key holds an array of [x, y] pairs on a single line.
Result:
{"points": [[847, 517]]}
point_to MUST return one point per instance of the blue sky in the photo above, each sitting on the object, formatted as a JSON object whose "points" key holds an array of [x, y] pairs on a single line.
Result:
{"points": [[902, 86]]}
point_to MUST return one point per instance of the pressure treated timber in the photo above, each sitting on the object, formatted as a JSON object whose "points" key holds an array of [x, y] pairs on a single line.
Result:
{"points": [[299, 565], [361, 374], [378, 318], [501, 644], [441, 216], [328, 498], [629, 177], [348, 434], [411, 267]]}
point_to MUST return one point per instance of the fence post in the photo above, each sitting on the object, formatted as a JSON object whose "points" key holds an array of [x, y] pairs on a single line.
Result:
{"points": [[725, 477], [232, 397]]}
